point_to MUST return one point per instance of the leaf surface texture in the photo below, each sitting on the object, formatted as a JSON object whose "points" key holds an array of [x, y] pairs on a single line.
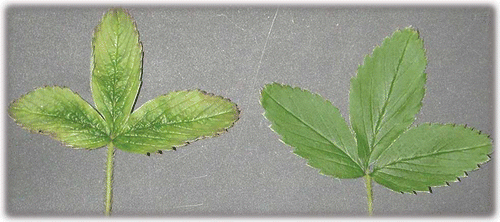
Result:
{"points": [[431, 155], [63, 114], [174, 119], [166, 121], [314, 127], [116, 67], [387, 92], [384, 98]]}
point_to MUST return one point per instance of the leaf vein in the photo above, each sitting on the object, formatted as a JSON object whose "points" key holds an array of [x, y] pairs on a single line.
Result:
{"points": [[312, 128]]}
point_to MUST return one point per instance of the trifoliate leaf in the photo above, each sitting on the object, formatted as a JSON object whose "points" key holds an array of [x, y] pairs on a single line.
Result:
{"points": [[430, 155], [116, 67], [62, 114], [171, 120], [314, 127], [385, 96], [174, 119], [387, 92]]}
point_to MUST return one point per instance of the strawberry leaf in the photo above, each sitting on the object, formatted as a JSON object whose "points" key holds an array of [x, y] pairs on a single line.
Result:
{"points": [[430, 155], [174, 119], [116, 67], [386, 94], [314, 127], [171, 120], [63, 114]]}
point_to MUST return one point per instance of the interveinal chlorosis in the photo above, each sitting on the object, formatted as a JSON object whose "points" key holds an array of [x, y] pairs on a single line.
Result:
{"points": [[163, 123], [380, 143]]}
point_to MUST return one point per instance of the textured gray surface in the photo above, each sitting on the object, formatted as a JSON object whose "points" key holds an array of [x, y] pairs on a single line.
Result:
{"points": [[233, 52]]}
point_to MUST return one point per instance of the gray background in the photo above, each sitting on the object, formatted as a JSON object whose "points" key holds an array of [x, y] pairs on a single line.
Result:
{"points": [[233, 52]]}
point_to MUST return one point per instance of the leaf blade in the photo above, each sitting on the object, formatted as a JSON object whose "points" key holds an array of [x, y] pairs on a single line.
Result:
{"points": [[174, 120], [387, 92], [63, 114], [116, 67], [314, 127], [431, 155]]}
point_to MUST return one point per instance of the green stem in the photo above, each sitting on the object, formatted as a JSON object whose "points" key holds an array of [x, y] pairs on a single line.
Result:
{"points": [[369, 194], [109, 179]]}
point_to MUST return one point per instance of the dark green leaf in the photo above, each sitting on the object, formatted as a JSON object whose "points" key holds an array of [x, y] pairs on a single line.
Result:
{"points": [[314, 127], [387, 92], [384, 98], [430, 155]]}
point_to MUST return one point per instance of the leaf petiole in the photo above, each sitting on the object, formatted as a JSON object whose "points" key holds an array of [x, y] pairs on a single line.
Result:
{"points": [[109, 179], [369, 193]]}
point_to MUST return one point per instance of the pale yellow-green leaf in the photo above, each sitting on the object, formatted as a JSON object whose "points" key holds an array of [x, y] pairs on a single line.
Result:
{"points": [[175, 119], [63, 114], [116, 67]]}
